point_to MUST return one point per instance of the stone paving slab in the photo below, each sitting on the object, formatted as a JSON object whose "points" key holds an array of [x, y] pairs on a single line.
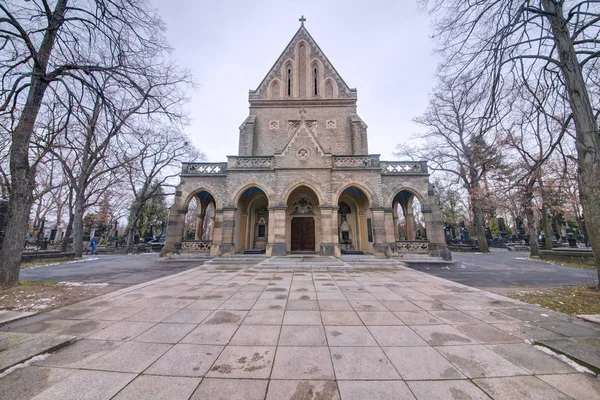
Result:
{"points": [[585, 350], [235, 332], [17, 348], [8, 315]]}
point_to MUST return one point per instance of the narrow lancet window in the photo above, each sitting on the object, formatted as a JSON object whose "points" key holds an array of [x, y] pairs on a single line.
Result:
{"points": [[289, 82], [315, 80]]}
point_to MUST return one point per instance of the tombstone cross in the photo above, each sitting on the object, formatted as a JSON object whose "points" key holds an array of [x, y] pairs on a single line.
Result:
{"points": [[302, 20]]}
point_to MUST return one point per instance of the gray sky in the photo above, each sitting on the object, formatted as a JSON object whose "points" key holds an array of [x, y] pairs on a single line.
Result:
{"points": [[382, 48]]}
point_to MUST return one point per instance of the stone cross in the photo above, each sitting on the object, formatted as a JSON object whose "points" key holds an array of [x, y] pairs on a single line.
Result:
{"points": [[302, 20]]}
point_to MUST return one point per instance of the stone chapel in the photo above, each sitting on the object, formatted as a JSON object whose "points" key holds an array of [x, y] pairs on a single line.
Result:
{"points": [[303, 180]]}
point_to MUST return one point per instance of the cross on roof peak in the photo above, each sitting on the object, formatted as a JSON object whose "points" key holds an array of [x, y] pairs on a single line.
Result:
{"points": [[302, 20]]}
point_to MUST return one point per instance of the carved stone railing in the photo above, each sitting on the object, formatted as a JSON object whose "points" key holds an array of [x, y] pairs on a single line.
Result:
{"points": [[404, 167], [195, 245], [204, 168], [239, 162], [354, 162], [412, 246]]}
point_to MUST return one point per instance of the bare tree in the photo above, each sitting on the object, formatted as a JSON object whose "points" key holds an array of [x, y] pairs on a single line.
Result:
{"points": [[459, 140], [554, 39], [154, 160], [46, 47]]}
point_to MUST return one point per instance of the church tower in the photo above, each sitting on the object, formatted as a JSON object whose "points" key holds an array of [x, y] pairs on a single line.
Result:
{"points": [[303, 96]]}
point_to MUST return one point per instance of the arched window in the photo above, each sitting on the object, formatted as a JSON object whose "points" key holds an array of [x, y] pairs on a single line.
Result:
{"points": [[316, 80], [289, 82]]}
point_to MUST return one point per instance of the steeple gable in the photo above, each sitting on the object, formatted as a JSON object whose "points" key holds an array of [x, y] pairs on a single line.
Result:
{"points": [[302, 72]]}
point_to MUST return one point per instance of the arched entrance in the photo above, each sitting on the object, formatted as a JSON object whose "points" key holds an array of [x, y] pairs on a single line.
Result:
{"points": [[199, 222], [252, 221], [410, 230], [353, 216], [303, 221]]}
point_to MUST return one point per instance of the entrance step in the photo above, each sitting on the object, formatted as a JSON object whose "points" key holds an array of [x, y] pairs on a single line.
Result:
{"points": [[295, 261], [255, 251], [248, 259]]}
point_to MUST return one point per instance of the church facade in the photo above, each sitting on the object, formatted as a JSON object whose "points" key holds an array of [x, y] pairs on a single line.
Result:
{"points": [[303, 180]]}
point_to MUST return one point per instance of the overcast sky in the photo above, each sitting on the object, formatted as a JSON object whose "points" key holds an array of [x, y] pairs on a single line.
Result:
{"points": [[382, 48]]}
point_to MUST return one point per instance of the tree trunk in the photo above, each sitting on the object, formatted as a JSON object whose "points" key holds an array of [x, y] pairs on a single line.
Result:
{"points": [[546, 227], [22, 177], [534, 247], [587, 139], [478, 225], [134, 218], [78, 225], [64, 246]]}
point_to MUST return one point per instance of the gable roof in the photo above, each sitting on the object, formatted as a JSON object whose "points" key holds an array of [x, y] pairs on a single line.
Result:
{"points": [[302, 34]]}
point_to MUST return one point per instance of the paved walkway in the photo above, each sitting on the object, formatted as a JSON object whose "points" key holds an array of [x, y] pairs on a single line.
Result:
{"points": [[378, 333]]}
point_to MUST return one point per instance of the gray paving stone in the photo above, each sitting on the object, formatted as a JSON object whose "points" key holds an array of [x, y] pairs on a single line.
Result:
{"points": [[185, 360], [585, 350], [340, 318], [230, 389], [400, 305], [264, 317], [367, 305], [360, 363], [87, 385], [519, 387], [305, 362], [206, 304], [302, 305], [210, 334], [129, 357], [420, 363], [380, 390], [8, 315], [225, 317], [303, 389], [188, 316], [492, 316], [335, 305], [122, 331], [442, 335], [21, 347], [418, 318], [349, 336], [302, 318], [256, 335], [165, 333], [25, 383], [379, 318], [396, 336], [525, 330], [487, 334], [531, 359], [477, 361], [247, 362], [455, 317], [158, 388], [79, 353], [152, 315], [569, 329], [442, 390], [302, 335], [117, 313], [578, 386]]}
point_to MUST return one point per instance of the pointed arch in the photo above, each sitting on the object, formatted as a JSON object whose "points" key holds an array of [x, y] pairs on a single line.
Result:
{"points": [[293, 185], [275, 89], [330, 88]]}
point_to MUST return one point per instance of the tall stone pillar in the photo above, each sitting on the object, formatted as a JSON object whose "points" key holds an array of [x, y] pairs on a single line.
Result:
{"points": [[390, 237], [380, 245], [276, 237], [227, 246], [175, 225], [435, 231], [329, 237], [217, 233], [410, 225], [199, 225], [246, 147]]}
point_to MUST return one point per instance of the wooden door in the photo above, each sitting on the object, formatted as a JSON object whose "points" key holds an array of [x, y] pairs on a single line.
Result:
{"points": [[303, 234]]}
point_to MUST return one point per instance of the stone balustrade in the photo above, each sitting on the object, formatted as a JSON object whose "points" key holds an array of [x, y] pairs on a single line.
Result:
{"points": [[191, 246], [354, 162], [203, 168], [412, 246], [239, 162], [404, 167]]}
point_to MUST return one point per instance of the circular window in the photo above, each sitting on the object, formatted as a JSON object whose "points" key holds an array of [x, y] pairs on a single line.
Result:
{"points": [[303, 154]]}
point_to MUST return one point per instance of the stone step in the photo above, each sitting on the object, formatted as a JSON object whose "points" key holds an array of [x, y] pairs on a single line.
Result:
{"points": [[303, 262]]}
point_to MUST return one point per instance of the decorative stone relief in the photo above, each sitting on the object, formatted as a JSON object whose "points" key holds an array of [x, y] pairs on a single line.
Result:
{"points": [[351, 162], [274, 125], [330, 124], [207, 168], [253, 162], [303, 154], [412, 246], [195, 245]]}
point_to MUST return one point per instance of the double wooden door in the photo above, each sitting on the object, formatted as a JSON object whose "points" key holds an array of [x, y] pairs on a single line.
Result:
{"points": [[303, 234]]}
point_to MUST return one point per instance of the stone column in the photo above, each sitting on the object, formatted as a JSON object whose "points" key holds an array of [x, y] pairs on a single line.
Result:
{"points": [[380, 245], [227, 247], [435, 231], [217, 233], [390, 237], [329, 237], [276, 237], [199, 225], [175, 230], [410, 225]]}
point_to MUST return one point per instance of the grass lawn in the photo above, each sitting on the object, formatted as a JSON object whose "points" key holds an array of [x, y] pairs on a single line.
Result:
{"points": [[566, 299]]}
